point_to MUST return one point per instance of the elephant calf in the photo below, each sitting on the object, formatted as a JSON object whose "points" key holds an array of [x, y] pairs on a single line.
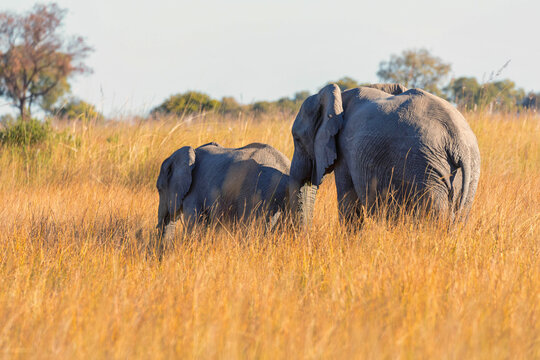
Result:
{"points": [[213, 182]]}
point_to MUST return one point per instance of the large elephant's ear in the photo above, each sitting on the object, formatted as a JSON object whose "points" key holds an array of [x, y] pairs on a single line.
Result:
{"points": [[331, 121], [392, 89], [179, 182]]}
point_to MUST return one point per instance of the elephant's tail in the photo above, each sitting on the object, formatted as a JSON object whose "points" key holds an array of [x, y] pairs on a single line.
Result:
{"points": [[459, 162], [464, 163]]}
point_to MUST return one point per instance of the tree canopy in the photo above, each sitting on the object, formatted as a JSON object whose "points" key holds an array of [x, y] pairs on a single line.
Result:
{"points": [[187, 103], [469, 94], [36, 59], [415, 68], [346, 83], [76, 109]]}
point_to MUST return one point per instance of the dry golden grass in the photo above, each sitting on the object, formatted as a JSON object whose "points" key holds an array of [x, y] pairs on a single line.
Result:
{"points": [[76, 281]]}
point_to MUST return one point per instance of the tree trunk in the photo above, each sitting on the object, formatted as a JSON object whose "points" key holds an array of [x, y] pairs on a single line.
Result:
{"points": [[22, 108]]}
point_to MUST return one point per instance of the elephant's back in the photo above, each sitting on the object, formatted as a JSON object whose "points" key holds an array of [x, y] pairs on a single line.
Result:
{"points": [[270, 170], [250, 178], [250, 187], [250, 159], [427, 114], [265, 155], [414, 129], [413, 114]]}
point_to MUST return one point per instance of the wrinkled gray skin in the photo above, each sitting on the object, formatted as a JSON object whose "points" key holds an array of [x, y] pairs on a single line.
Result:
{"points": [[386, 145], [213, 182]]}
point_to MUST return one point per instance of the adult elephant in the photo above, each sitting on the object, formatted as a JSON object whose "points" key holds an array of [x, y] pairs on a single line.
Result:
{"points": [[225, 184], [406, 149]]}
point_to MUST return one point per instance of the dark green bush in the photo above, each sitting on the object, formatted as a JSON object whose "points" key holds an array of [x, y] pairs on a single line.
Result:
{"points": [[187, 103], [76, 109], [229, 105], [23, 133]]}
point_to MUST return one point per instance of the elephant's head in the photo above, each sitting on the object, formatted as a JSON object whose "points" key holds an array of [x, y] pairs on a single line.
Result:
{"points": [[315, 150], [173, 184]]}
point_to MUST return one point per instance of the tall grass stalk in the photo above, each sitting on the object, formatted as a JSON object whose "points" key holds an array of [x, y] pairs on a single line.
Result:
{"points": [[77, 279]]}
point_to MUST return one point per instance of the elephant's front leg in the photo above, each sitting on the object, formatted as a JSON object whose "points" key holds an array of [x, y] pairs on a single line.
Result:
{"points": [[194, 215], [350, 211]]}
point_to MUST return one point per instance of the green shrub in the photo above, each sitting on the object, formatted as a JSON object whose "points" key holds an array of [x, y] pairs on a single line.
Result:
{"points": [[263, 106], [76, 109], [22, 133], [229, 105], [187, 103]]}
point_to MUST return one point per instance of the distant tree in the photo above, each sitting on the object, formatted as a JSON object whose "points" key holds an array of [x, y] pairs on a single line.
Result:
{"points": [[35, 59], [187, 103], [346, 83], [263, 106], [465, 92], [502, 95], [415, 68], [76, 109], [286, 104], [230, 105], [469, 94], [300, 96], [50, 100]]}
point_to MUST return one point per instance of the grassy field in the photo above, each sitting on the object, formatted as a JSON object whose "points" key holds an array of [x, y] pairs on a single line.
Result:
{"points": [[77, 282]]}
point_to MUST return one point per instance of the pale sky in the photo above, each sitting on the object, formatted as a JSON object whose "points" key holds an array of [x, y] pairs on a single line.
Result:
{"points": [[253, 50]]}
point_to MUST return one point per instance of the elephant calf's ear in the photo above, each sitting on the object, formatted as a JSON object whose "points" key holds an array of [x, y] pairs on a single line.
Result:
{"points": [[180, 178], [325, 147], [164, 174]]}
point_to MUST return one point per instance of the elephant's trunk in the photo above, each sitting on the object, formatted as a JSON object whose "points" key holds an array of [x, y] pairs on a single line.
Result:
{"points": [[306, 203], [302, 193], [164, 217]]}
